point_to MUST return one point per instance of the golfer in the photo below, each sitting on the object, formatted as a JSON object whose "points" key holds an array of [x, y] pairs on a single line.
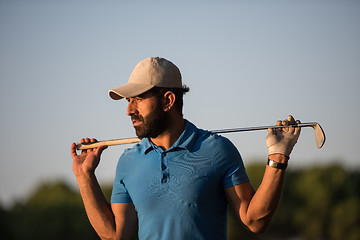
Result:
{"points": [[177, 182]]}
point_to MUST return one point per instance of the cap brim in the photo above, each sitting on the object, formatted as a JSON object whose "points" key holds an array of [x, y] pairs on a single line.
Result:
{"points": [[129, 90]]}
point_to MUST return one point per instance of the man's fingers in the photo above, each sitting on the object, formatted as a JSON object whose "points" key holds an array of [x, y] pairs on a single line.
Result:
{"points": [[83, 141], [272, 131], [282, 140], [297, 129], [73, 150], [292, 125], [285, 123], [100, 149], [291, 120], [87, 140], [277, 130], [293, 128]]}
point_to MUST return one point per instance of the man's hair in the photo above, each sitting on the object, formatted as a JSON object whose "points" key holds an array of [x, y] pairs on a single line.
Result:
{"points": [[179, 93]]}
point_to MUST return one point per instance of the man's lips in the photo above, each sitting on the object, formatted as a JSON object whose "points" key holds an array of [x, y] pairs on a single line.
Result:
{"points": [[136, 123]]}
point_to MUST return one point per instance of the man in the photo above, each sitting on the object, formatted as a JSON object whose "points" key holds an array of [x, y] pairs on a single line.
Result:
{"points": [[177, 182]]}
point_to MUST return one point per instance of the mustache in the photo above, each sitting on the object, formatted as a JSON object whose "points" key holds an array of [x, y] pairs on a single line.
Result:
{"points": [[137, 118]]}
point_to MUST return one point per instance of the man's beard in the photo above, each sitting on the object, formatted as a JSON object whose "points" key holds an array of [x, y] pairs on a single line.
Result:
{"points": [[153, 124]]}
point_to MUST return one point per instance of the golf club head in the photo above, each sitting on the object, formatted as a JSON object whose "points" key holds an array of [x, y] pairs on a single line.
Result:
{"points": [[319, 135]]}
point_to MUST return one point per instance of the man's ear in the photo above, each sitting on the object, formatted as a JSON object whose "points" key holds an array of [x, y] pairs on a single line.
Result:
{"points": [[168, 101]]}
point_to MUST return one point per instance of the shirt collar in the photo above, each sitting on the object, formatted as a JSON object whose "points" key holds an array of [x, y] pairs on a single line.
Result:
{"points": [[147, 145], [186, 140]]}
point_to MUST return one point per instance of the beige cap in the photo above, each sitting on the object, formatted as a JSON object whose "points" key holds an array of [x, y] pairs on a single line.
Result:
{"points": [[150, 72]]}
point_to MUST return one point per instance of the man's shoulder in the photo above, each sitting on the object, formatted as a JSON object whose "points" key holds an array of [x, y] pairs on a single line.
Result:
{"points": [[207, 135], [136, 149], [216, 141]]}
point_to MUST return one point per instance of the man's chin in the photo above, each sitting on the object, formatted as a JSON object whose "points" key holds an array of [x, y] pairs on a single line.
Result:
{"points": [[140, 134]]}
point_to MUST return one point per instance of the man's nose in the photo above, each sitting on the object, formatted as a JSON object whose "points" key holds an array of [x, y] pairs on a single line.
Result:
{"points": [[132, 108]]}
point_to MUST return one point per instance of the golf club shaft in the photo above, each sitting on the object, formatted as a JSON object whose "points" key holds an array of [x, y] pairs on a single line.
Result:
{"points": [[82, 146], [247, 129]]}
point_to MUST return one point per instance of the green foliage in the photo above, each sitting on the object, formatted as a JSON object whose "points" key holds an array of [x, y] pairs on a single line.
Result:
{"points": [[5, 225], [54, 194], [255, 172], [326, 195], [53, 211], [316, 203]]}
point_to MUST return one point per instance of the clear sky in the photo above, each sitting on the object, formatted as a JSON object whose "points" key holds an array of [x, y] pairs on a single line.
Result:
{"points": [[247, 63]]}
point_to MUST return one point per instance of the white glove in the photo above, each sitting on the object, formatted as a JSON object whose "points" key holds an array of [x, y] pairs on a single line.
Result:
{"points": [[282, 140]]}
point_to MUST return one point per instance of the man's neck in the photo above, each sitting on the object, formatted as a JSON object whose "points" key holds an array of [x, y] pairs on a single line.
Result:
{"points": [[170, 136]]}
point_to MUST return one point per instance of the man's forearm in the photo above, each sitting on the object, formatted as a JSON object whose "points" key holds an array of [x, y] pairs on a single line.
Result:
{"points": [[265, 200], [97, 208]]}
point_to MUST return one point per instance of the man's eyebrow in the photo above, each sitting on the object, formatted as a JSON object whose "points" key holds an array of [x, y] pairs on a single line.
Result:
{"points": [[145, 95]]}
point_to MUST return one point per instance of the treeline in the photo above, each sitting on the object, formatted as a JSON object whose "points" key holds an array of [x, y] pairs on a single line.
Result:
{"points": [[316, 203]]}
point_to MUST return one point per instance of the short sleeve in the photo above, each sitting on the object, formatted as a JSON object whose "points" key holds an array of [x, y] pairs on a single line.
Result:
{"points": [[119, 191], [230, 164]]}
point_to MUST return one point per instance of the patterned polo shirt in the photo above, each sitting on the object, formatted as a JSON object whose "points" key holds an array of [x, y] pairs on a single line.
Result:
{"points": [[179, 193]]}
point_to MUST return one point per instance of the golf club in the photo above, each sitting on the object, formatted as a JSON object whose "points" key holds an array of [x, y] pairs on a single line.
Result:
{"points": [[319, 135]]}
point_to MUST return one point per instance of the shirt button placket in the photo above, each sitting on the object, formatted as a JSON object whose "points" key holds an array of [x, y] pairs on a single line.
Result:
{"points": [[164, 168]]}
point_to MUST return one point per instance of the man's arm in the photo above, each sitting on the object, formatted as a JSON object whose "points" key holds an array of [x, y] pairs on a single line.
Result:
{"points": [[117, 221], [255, 209], [97, 208], [125, 220]]}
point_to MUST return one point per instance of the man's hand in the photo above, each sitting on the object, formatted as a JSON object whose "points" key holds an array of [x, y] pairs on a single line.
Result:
{"points": [[282, 140], [88, 160]]}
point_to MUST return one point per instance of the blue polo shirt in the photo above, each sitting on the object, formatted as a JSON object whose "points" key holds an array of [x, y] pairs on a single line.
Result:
{"points": [[179, 193]]}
